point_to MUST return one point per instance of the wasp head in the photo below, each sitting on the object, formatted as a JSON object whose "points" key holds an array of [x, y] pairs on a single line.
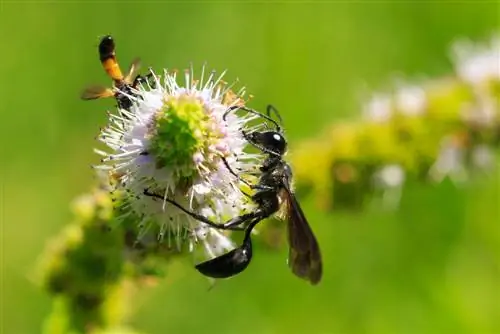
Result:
{"points": [[272, 142]]}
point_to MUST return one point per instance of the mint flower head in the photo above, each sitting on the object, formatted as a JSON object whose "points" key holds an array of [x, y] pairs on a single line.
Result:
{"points": [[478, 65], [172, 142], [378, 109]]}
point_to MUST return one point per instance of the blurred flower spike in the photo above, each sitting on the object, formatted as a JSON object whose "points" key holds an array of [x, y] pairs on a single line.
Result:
{"points": [[171, 143], [430, 130]]}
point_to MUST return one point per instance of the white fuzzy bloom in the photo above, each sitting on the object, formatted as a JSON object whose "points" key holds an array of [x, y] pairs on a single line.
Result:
{"points": [[378, 109], [482, 157], [450, 162], [390, 179], [411, 100], [484, 112], [390, 176], [477, 63], [147, 147]]}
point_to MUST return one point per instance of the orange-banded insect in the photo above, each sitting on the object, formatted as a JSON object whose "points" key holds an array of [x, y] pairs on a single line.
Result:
{"points": [[123, 85]]}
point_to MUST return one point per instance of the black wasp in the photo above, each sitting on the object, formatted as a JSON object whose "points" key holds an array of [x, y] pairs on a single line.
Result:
{"points": [[123, 84], [272, 192]]}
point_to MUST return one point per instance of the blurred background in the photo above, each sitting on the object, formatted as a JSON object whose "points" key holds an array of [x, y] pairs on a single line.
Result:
{"points": [[430, 266]]}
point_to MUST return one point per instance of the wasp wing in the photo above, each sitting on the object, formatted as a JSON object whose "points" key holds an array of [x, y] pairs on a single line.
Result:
{"points": [[304, 257], [133, 70], [96, 92]]}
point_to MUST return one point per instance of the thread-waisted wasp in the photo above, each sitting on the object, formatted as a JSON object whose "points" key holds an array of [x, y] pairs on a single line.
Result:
{"points": [[273, 192]]}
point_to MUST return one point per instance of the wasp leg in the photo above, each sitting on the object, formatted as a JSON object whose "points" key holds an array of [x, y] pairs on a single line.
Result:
{"points": [[138, 80], [142, 79], [232, 224], [252, 186]]}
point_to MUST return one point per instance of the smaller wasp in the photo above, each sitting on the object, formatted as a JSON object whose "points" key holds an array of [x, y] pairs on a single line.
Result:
{"points": [[122, 85], [273, 192]]}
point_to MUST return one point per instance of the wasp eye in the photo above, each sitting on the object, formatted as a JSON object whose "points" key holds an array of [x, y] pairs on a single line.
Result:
{"points": [[271, 140]]}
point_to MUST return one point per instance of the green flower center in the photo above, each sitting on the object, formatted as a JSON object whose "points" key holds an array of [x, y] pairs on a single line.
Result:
{"points": [[180, 129]]}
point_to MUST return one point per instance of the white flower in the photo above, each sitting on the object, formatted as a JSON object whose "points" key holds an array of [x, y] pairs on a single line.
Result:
{"points": [[411, 100], [450, 161], [390, 179], [171, 142], [390, 176], [477, 63], [484, 112], [378, 109], [482, 157]]}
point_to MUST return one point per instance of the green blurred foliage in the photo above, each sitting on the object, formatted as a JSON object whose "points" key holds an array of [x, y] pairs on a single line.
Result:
{"points": [[432, 266], [342, 166]]}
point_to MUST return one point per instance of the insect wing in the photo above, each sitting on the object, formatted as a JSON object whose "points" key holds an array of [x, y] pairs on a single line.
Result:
{"points": [[304, 257], [133, 70], [96, 92]]}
